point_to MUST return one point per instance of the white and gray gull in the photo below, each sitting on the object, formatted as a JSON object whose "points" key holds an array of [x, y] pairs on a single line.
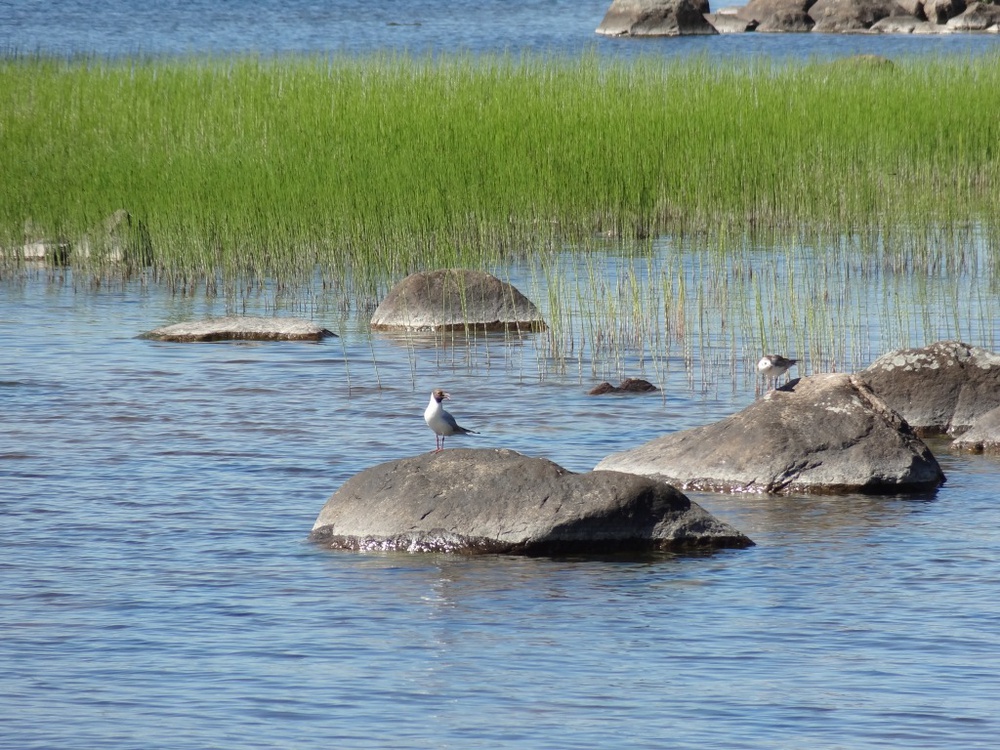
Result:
{"points": [[773, 366], [441, 421]]}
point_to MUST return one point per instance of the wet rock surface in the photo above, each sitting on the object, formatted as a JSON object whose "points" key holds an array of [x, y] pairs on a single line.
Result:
{"points": [[500, 501]]}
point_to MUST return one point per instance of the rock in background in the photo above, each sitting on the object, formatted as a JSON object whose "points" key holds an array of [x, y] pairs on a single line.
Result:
{"points": [[939, 389], [455, 299], [643, 18]]}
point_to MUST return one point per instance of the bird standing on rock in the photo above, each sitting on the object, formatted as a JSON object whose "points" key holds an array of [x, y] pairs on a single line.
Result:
{"points": [[773, 366], [441, 421]]}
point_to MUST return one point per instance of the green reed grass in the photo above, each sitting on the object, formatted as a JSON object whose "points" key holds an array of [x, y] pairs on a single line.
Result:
{"points": [[248, 176], [373, 167]]}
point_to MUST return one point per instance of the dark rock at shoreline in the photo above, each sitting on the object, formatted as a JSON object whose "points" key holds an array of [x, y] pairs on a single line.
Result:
{"points": [[824, 433], [645, 18], [791, 16], [241, 328], [941, 388], [455, 299], [500, 501]]}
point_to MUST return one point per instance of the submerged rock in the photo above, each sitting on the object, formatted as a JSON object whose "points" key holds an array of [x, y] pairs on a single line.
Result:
{"points": [[656, 18], [941, 388], [455, 299], [500, 501], [241, 328], [629, 385], [824, 433]]}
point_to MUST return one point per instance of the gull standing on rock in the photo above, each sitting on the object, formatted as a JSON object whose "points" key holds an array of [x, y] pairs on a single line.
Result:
{"points": [[773, 366], [441, 421]]}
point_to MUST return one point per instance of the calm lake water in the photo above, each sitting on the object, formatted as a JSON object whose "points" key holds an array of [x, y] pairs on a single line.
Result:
{"points": [[159, 592]]}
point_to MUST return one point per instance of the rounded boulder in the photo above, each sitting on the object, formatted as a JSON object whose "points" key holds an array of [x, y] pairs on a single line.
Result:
{"points": [[455, 299], [500, 501]]}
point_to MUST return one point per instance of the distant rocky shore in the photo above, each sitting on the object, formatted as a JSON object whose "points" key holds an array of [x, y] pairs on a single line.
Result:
{"points": [[644, 18]]}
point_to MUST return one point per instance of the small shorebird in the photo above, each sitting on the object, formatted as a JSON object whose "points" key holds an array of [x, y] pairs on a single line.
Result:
{"points": [[441, 421], [773, 366]]}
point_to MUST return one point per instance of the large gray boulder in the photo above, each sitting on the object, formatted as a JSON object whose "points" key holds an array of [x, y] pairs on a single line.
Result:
{"points": [[824, 433], [455, 299], [500, 501], [941, 388], [833, 16], [983, 436], [656, 18], [241, 328], [784, 16]]}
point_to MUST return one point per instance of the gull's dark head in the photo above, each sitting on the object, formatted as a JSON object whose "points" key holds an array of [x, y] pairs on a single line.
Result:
{"points": [[439, 395]]}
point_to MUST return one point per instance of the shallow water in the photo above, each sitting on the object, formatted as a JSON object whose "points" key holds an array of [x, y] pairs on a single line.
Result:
{"points": [[159, 591]]}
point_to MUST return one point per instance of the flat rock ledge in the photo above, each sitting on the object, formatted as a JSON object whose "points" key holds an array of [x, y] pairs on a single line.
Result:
{"points": [[938, 389], [982, 437], [465, 500], [236, 328], [455, 299], [821, 434]]}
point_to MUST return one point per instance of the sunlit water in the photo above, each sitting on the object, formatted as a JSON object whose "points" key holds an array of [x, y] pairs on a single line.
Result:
{"points": [[158, 590]]}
